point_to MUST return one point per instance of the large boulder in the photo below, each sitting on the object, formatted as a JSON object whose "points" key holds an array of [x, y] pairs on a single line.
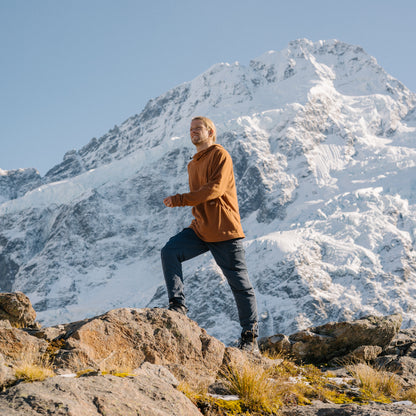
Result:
{"points": [[17, 309], [142, 394], [17, 348], [127, 337], [335, 339], [17, 345]]}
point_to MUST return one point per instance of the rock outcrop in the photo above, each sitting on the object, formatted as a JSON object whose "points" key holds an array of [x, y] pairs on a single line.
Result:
{"points": [[132, 361], [125, 338], [336, 340], [17, 344], [17, 309], [374, 409], [141, 394]]}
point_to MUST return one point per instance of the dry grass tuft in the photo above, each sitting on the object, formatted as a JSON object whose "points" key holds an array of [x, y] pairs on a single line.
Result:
{"points": [[31, 367], [376, 384], [265, 391], [255, 387]]}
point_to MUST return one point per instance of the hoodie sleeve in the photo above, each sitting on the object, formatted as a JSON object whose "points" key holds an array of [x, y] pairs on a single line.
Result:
{"points": [[221, 172]]}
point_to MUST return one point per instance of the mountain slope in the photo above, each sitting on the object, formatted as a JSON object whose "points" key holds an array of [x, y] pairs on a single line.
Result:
{"points": [[322, 140]]}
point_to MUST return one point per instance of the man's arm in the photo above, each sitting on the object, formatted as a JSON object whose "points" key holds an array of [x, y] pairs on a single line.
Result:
{"points": [[214, 188]]}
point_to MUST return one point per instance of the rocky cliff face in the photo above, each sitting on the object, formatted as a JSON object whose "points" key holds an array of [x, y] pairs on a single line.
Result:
{"points": [[131, 361], [15, 183], [323, 146]]}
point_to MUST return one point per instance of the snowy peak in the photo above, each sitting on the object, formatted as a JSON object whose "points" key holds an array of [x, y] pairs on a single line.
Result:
{"points": [[351, 69], [322, 140], [273, 79]]}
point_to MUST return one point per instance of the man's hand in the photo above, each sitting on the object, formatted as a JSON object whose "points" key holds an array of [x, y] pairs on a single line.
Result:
{"points": [[168, 201]]}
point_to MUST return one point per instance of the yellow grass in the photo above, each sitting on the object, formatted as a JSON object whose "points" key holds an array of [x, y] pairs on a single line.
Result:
{"points": [[33, 372], [32, 367], [254, 386], [376, 384], [265, 391]]}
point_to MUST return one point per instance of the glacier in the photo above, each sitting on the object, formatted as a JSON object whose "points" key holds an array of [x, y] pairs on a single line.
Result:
{"points": [[324, 151]]}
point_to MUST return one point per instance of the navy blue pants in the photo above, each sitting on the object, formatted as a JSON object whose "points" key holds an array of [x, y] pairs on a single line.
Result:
{"points": [[229, 256]]}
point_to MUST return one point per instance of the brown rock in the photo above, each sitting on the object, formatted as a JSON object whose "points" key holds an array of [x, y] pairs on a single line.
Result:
{"points": [[144, 394], [335, 339], [17, 309], [125, 338], [275, 344], [16, 344], [234, 356], [363, 353]]}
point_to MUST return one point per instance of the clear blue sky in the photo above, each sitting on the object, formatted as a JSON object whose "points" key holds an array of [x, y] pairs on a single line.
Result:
{"points": [[72, 69]]}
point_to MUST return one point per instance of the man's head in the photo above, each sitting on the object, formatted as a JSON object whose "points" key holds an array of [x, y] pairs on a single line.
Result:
{"points": [[209, 125]]}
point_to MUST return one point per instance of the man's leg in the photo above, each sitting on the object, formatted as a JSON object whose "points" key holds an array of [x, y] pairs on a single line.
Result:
{"points": [[181, 247], [230, 256]]}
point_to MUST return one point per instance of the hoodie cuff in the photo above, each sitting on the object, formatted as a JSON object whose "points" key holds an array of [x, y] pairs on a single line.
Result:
{"points": [[177, 200]]}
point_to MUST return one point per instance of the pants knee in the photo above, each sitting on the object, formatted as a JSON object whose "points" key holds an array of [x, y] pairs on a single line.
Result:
{"points": [[164, 252], [168, 251]]}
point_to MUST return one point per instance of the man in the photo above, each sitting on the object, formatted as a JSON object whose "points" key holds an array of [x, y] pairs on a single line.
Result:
{"points": [[216, 227]]}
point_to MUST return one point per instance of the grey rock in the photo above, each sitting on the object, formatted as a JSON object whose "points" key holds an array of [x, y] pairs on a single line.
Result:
{"points": [[144, 394], [158, 371], [6, 372], [405, 367], [404, 343], [363, 353], [337, 339], [278, 343], [49, 333], [328, 409]]}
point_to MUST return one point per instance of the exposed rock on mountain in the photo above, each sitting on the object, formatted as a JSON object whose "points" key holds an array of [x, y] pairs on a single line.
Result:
{"points": [[337, 339], [141, 394], [322, 140], [15, 183], [129, 337], [132, 361]]}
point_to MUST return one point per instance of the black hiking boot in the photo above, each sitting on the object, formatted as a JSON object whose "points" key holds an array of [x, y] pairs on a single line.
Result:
{"points": [[248, 342], [178, 307]]}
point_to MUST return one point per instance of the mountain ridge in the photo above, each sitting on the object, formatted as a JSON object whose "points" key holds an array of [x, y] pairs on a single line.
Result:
{"points": [[321, 138]]}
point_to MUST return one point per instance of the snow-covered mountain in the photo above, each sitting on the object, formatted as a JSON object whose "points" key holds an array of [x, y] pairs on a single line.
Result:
{"points": [[324, 148]]}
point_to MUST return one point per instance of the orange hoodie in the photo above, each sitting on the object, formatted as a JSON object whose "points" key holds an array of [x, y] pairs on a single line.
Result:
{"points": [[212, 195]]}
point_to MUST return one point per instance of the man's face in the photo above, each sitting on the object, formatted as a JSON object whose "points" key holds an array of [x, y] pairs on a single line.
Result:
{"points": [[199, 133]]}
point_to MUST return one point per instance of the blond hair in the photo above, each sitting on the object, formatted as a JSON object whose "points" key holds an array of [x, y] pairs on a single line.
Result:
{"points": [[209, 124]]}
